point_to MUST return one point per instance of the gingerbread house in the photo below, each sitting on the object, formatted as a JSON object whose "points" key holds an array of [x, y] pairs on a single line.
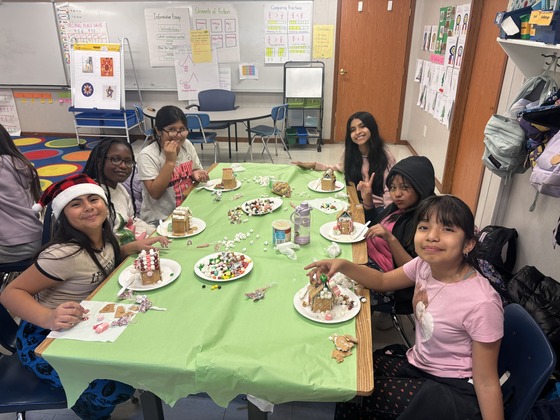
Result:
{"points": [[344, 222], [181, 221], [229, 181], [148, 264], [321, 297], [328, 181]]}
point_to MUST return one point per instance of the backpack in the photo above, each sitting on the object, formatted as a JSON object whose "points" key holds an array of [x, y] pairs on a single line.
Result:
{"points": [[498, 246], [504, 139], [546, 173]]}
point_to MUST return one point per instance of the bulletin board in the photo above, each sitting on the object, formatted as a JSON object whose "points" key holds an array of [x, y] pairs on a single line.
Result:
{"points": [[251, 38], [30, 53]]}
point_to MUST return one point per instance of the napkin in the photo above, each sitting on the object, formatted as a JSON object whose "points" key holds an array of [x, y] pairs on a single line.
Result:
{"points": [[328, 205], [84, 330]]}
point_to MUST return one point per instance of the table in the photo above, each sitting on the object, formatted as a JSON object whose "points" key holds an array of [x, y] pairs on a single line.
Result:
{"points": [[243, 114], [218, 341]]}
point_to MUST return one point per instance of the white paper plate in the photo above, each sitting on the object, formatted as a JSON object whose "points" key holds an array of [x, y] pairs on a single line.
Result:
{"points": [[198, 226], [340, 312], [211, 185], [205, 261], [170, 270], [316, 186], [328, 205], [275, 203], [327, 233]]}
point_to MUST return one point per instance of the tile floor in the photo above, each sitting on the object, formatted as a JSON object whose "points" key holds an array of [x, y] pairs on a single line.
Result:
{"points": [[200, 406]]}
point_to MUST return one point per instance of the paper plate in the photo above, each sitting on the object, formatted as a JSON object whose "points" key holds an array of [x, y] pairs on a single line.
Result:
{"points": [[211, 185], [261, 206], [204, 262], [170, 270], [327, 232], [198, 226], [340, 312], [316, 186]]}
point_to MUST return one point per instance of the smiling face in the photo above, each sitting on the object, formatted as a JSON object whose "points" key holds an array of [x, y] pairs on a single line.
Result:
{"points": [[402, 193], [118, 164], [359, 133], [87, 213], [176, 132], [439, 244]]}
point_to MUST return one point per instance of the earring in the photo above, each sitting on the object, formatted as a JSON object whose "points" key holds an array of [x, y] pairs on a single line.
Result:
{"points": [[465, 255]]}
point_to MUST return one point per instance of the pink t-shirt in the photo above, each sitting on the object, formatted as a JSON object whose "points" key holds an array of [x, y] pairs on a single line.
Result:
{"points": [[378, 248], [448, 319]]}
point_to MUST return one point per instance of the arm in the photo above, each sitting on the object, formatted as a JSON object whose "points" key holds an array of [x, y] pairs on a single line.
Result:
{"points": [[400, 255], [368, 277], [18, 299], [486, 381], [157, 186], [135, 247]]}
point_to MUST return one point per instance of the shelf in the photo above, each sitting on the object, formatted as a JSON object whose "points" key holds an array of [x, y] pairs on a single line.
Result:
{"points": [[527, 54]]}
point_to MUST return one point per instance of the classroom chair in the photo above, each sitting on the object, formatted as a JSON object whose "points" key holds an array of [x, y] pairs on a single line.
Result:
{"points": [[197, 123], [529, 359], [22, 391], [148, 132], [218, 100], [401, 305], [278, 115]]}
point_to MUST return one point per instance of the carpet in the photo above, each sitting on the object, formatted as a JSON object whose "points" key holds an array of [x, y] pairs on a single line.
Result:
{"points": [[55, 158]]}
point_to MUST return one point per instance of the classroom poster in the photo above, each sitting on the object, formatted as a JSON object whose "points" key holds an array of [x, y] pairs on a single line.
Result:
{"points": [[445, 28], [426, 38], [462, 18], [323, 39], [451, 51], [200, 46], [164, 27], [288, 32], [8, 112], [433, 38], [418, 71], [460, 51], [97, 80], [220, 19], [248, 71], [193, 77], [224, 74]]}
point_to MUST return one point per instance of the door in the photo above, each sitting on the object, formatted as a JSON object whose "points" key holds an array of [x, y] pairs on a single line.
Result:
{"points": [[372, 59]]}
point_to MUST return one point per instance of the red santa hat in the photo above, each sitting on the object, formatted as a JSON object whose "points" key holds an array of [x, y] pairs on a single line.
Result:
{"points": [[61, 193]]}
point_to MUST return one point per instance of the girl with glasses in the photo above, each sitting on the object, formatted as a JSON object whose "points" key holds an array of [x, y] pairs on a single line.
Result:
{"points": [[111, 163], [168, 166]]}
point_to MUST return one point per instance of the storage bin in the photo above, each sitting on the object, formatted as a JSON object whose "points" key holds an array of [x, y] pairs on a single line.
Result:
{"points": [[295, 102], [311, 118], [90, 119], [302, 135], [116, 119], [295, 117], [312, 103], [516, 16], [549, 34], [291, 135]]}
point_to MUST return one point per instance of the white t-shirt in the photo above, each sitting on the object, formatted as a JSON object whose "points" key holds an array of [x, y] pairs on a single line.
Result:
{"points": [[449, 316], [150, 162], [76, 271]]}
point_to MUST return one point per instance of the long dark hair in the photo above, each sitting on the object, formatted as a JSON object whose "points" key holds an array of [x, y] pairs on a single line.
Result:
{"points": [[168, 114], [377, 157], [65, 233], [451, 211], [27, 175], [96, 162]]}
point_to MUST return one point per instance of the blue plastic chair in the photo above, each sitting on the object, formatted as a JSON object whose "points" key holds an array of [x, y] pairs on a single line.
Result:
{"points": [[21, 390], [265, 132], [196, 123], [218, 100], [148, 132], [529, 358]]}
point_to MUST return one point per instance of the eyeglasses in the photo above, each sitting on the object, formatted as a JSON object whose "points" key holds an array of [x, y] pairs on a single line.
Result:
{"points": [[118, 161], [174, 132]]}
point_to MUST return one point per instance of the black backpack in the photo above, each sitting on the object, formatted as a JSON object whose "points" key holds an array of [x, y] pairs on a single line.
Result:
{"points": [[498, 246]]}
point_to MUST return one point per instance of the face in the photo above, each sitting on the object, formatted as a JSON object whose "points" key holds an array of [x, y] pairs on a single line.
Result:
{"points": [[402, 193], [118, 164], [437, 244], [176, 132], [86, 213], [359, 133]]}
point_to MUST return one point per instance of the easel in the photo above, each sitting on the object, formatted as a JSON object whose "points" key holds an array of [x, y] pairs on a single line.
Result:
{"points": [[98, 90]]}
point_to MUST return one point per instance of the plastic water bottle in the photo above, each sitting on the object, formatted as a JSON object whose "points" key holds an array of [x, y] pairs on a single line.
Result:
{"points": [[301, 218]]}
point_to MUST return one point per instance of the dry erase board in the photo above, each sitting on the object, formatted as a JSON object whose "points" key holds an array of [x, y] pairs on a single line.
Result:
{"points": [[30, 53], [126, 20]]}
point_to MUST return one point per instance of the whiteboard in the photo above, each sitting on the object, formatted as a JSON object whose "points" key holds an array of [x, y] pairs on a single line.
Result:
{"points": [[126, 19], [30, 53], [304, 82]]}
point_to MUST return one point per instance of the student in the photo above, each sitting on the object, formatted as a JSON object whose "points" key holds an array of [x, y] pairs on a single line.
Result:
{"points": [[20, 229], [459, 325], [81, 254], [365, 155], [111, 163], [168, 166]]}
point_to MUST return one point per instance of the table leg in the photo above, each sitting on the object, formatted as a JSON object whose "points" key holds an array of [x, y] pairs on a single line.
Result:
{"points": [[254, 412], [151, 406]]}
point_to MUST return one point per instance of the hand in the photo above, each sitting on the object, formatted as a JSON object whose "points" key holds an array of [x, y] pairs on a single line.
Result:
{"points": [[329, 267], [148, 243], [171, 150], [365, 186], [304, 165], [66, 315], [379, 231], [200, 176]]}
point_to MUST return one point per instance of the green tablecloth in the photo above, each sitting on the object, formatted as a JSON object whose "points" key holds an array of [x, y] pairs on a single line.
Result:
{"points": [[218, 341]]}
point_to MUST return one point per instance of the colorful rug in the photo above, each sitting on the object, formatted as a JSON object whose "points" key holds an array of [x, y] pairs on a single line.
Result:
{"points": [[55, 158]]}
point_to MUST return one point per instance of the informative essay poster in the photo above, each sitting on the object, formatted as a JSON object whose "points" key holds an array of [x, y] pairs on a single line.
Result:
{"points": [[164, 27], [288, 32]]}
